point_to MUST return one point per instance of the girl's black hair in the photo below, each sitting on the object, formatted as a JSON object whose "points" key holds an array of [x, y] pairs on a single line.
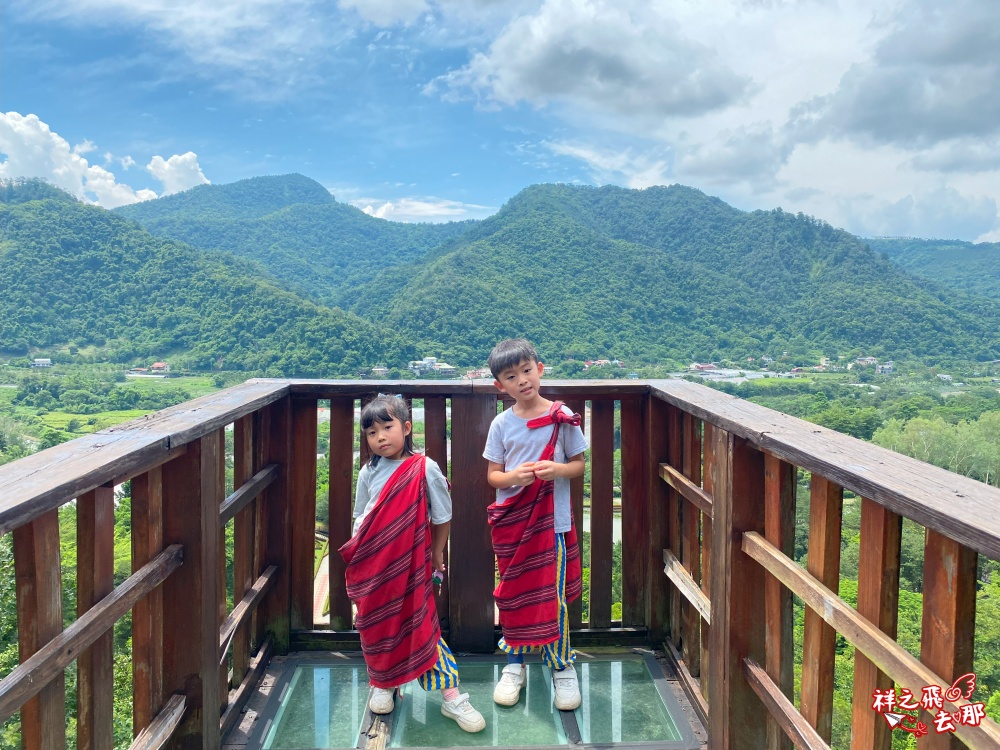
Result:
{"points": [[384, 408]]}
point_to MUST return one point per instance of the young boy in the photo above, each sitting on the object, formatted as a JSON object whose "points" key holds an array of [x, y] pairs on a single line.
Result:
{"points": [[533, 450]]}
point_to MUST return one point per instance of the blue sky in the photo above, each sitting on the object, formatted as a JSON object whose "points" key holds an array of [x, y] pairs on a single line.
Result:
{"points": [[882, 116]]}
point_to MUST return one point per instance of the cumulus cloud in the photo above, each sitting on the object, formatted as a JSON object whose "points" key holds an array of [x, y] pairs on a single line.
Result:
{"points": [[940, 212], [433, 210], [960, 155], [633, 169], [31, 149], [598, 56], [177, 173], [752, 154]]}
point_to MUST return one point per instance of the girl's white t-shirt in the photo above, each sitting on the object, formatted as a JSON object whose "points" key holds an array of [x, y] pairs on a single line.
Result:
{"points": [[510, 443], [371, 480]]}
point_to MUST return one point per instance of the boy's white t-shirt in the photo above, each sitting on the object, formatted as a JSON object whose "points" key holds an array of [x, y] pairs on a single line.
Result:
{"points": [[510, 443], [371, 480]]}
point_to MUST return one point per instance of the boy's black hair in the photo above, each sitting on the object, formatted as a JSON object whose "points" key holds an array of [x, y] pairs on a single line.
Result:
{"points": [[384, 408], [509, 353]]}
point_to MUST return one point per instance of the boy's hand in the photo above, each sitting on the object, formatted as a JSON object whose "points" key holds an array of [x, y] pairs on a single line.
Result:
{"points": [[437, 560], [546, 470], [524, 474]]}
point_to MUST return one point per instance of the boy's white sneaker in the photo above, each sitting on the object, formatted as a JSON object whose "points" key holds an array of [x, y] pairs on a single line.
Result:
{"points": [[468, 718], [567, 689], [508, 690], [381, 701]]}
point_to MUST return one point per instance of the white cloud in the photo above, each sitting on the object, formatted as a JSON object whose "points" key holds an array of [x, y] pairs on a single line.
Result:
{"points": [[634, 170], [386, 12], [422, 209], [127, 162], [177, 173], [939, 212], [33, 150]]}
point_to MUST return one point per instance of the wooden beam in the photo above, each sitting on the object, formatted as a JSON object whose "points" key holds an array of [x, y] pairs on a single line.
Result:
{"points": [[341, 507], [663, 601], [878, 601], [691, 550], [238, 698], [688, 489], [244, 533], [779, 529], [247, 492], [303, 511], [671, 424], [243, 610], [635, 513], [95, 579], [275, 525], [795, 728], [819, 639], [147, 614], [577, 406], [161, 730], [735, 717], [37, 573], [686, 584], [436, 447], [903, 668], [602, 448], [708, 473]]}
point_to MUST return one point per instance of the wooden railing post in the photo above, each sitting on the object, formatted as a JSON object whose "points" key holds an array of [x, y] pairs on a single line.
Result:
{"points": [[664, 600], [635, 514], [276, 516], [471, 582], [147, 614], [303, 502], [244, 531], [191, 500], [602, 429], [736, 717], [341, 502], [39, 619]]}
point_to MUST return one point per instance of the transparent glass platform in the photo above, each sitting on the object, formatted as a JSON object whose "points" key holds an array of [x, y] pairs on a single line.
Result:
{"points": [[626, 703]]}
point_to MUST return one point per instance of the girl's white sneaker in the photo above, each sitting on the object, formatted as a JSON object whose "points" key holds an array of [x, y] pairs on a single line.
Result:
{"points": [[381, 701], [468, 718]]}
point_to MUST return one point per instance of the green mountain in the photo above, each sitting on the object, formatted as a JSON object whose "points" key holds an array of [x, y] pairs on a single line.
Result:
{"points": [[294, 226], [670, 273], [73, 273], [972, 268]]}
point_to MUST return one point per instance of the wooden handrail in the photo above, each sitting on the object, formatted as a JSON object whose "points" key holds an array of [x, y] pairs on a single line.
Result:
{"points": [[247, 493], [799, 731], [242, 611], [29, 677], [162, 728], [691, 492], [686, 584]]}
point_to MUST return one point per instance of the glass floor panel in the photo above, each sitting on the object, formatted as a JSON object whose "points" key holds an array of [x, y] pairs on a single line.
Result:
{"points": [[533, 721], [621, 704], [322, 708]]}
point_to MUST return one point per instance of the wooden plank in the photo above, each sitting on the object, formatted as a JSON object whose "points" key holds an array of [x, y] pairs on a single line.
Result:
{"points": [[238, 698], [147, 614], [436, 447], [95, 579], [795, 729], [161, 730], [878, 601], [690, 534], [303, 508], [962, 508], [191, 500], [247, 493], [671, 424], [39, 621], [354, 389], [341, 506], [244, 609], [735, 718], [602, 448], [905, 670], [948, 625], [707, 482], [635, 513], [576, 503], [275, 525], [686, 584], [819, 639], [45, 666], [244, 524], [222, 590], [472, 610], [779, 530], [689, 490], [364, 453]]}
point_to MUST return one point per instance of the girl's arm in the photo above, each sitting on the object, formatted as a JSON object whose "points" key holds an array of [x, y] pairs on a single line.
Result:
{"points": [[439, 541], [549, 470], [517, 477]]}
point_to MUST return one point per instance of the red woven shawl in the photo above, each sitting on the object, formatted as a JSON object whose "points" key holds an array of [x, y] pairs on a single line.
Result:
{"points": [[523, 530], [389, 579]]}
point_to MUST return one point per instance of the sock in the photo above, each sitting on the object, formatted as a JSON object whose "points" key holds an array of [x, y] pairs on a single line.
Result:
{"points": [[450, 694], [515, 658]]}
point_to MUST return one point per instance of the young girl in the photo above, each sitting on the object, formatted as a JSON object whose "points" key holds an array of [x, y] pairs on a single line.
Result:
{"points": [[402, 515]]}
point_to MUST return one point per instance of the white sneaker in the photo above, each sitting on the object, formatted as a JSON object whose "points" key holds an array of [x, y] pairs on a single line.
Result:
{"points": [[567, 689], [468, 718], [508, 690], [381, 701]]}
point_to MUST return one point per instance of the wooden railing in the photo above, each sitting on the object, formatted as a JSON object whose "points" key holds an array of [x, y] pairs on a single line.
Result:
{"points": [[707, 495]]}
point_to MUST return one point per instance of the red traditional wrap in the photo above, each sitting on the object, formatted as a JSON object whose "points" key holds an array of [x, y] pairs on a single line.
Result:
{"points": [[389, 579], [523, 530]]}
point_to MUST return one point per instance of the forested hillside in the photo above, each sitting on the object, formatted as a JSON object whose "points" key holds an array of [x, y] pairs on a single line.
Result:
{"points": [[291, 224], [964, 266], [77, 274]]}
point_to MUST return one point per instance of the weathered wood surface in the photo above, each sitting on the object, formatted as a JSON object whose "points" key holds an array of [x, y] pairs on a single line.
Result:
{"points": [[276, 524], [341, 507], [52, 477], [794, 728], [247, 493], [635, 514], [95, 579], [576, 506], [688, 587], [688, 489], [47, 663], [663, 602], [355, 389], [737, 631], [671, 421], [436, 448], [161, 730], [243, 610], [472, 610], [602, 437], [961, 508], [878, 601], [708, 473], [303, 509], [691, 548], [147, 614], [779, 529], [244, 532], [240, 695], [904, 669], [37, 572]]}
